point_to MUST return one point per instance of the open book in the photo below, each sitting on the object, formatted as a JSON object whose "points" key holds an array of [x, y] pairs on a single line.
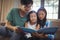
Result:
{"points": [[50, 30]]}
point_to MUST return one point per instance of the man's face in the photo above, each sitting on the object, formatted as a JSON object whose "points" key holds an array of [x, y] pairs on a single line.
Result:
{"points": [[26, 8]]}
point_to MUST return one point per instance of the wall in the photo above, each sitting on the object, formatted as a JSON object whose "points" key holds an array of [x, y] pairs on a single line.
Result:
{"points": [[7, 5], [0, 8]]}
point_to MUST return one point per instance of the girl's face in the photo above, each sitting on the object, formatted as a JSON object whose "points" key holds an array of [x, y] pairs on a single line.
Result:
{"points": [[41, 15], [33, 17]]}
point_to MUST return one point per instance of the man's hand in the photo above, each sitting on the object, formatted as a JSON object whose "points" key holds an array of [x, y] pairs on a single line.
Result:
{"points": [[18, 30], [15, 29]]}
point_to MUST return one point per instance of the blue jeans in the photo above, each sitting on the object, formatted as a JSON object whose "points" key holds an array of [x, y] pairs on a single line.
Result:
{"points": [[35, 38], [13, 35]]}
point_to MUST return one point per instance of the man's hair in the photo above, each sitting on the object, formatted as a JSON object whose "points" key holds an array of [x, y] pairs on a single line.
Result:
{"points": [[26, 2]]}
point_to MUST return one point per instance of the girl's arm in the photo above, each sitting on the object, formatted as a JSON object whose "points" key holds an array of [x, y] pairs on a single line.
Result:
{"points": [[39, 35], [38, 27], [26, 25], [49, 24]]}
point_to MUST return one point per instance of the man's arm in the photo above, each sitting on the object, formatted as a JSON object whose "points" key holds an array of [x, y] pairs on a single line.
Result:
{"points": [[9, 20], [9, 26]]}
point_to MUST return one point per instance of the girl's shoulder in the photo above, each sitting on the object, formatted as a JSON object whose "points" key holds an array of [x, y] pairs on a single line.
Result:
{"points": [[38, 25], [48, 21], [26, 22]]}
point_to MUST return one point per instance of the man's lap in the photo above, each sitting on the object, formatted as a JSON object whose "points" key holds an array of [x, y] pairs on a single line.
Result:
{"points": [[13, 35]]}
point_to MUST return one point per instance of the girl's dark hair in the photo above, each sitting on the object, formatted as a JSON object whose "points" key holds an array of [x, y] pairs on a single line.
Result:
{"points": [[26, 2], [42, 22], [28, 16]]}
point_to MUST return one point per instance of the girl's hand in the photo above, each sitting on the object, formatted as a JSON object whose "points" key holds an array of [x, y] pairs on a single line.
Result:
{"points": [[46, 35], [34, 34], [43, 35], [39, 35]]}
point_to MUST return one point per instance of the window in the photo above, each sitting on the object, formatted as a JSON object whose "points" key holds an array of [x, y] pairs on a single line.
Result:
{"points": [[50, 5], [36, 5], [52, 8]]}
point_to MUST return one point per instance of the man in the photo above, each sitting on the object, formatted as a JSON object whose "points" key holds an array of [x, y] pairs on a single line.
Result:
{"points": [[16, 18]]}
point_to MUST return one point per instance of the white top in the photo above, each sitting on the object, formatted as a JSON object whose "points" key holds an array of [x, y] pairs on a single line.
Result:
{"points": [[31, 27]]}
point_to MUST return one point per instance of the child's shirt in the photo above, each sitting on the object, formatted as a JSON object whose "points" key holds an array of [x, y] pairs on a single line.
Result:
{"points": [[31, 27]]}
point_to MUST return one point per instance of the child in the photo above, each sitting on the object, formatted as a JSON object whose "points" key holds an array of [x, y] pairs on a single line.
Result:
{"points": [[44, 23], [32, 22]]}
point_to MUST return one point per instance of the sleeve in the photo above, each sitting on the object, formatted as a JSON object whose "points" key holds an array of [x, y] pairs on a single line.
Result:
{"points": [[10, 16], [48, 24], [51, 36]]}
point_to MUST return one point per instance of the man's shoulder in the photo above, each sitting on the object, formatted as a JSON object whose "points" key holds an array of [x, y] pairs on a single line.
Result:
{"points": [[15, 9]]}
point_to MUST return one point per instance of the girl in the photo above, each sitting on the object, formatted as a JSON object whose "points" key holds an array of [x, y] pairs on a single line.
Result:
{"points": [[44, 23], [32, 22]]}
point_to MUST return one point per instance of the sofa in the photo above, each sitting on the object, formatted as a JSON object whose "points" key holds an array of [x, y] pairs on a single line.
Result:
{"points": [[55, 23]]}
